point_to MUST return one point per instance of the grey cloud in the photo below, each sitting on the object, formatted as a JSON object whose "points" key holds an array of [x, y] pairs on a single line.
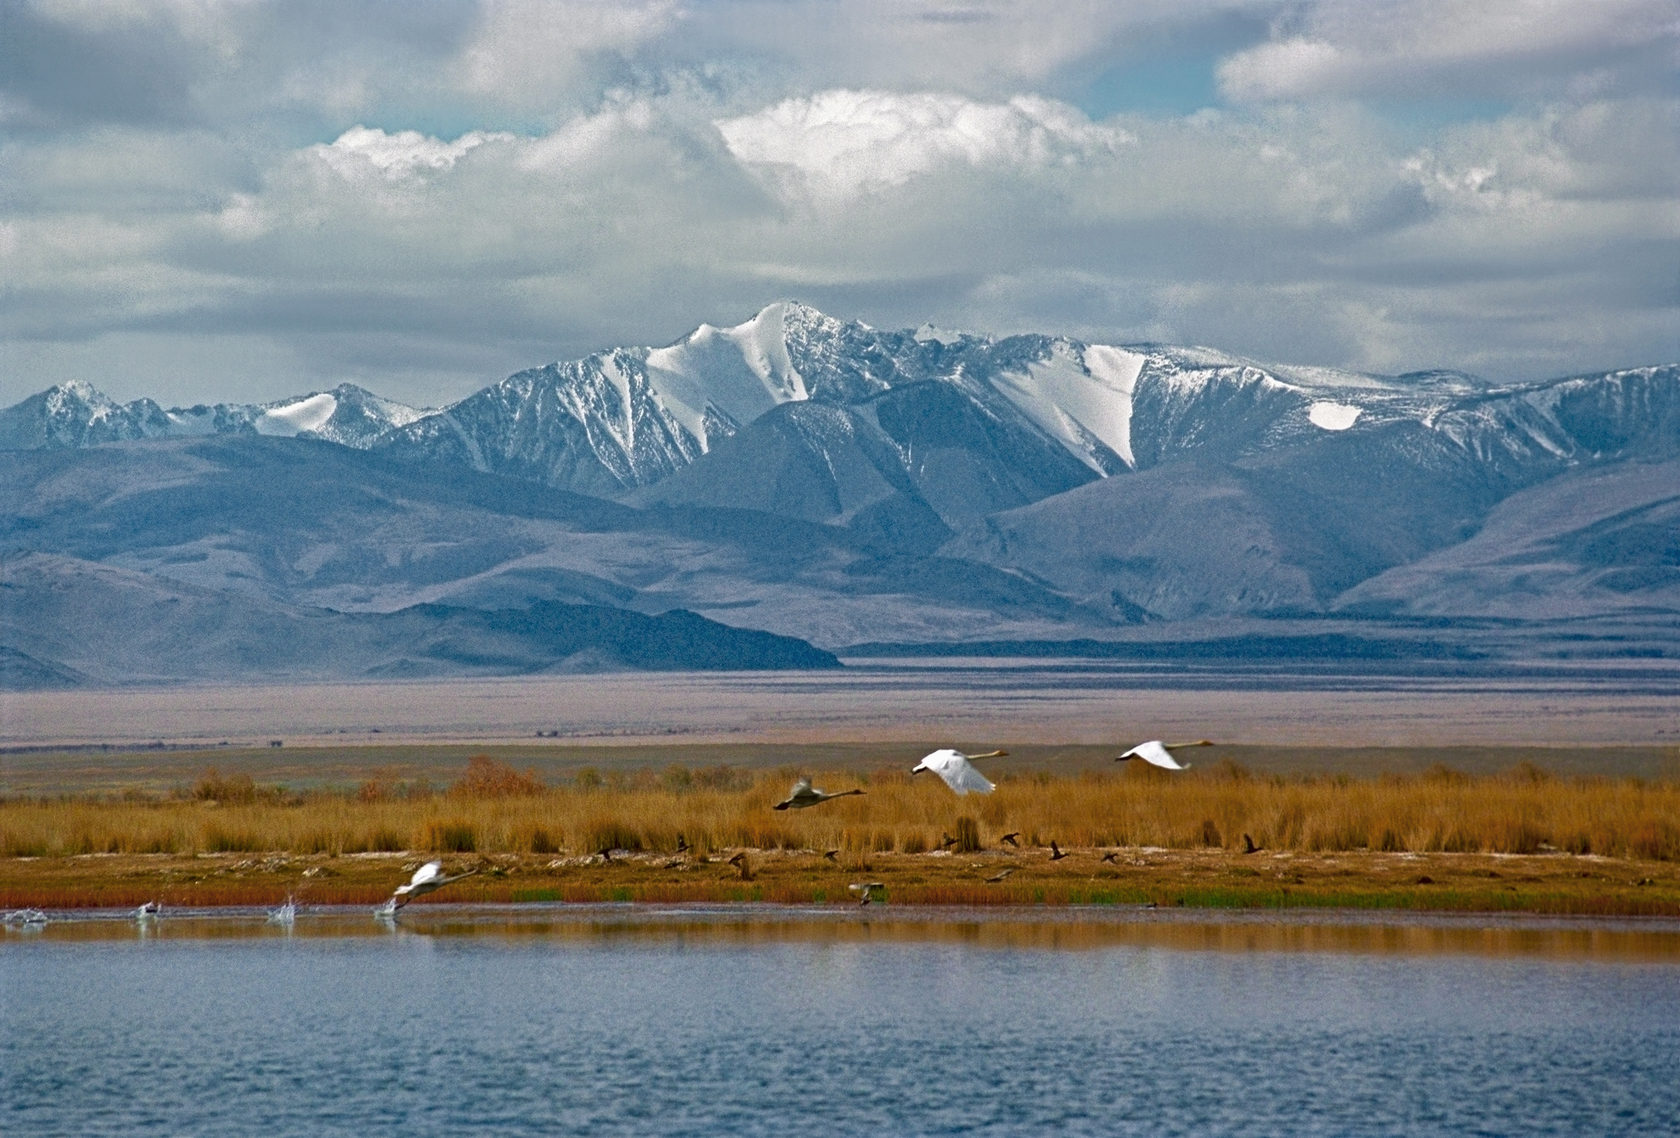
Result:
{"points": [[1434, 49], [62, 77]]}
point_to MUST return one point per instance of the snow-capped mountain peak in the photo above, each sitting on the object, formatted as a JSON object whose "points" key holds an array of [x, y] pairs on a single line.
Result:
{"points": [[77, 414], [970, 420], [732, 375], [348, 414]]}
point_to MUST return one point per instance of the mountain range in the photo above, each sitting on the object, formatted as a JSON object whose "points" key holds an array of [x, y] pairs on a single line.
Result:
{"points": [[835, 485]]}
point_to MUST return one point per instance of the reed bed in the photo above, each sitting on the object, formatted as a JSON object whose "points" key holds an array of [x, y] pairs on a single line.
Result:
{"points": [[492, 809]]}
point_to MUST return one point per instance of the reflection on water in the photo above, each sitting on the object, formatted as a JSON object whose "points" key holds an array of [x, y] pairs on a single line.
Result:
{"points": [[1042, 929], [621, 1021]]}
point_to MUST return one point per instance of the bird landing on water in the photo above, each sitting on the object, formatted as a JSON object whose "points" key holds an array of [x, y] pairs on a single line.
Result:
{"points": [[866, 890], [427, 879]]}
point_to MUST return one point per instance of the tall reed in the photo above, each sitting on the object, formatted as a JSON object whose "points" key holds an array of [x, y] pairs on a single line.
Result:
{"points": [[490, 811]]}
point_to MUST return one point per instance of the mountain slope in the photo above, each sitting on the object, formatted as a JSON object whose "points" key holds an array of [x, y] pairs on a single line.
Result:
{"points": [[1289, 528], [1583, 544], [824, 480], [304, 523], [67, 622]]}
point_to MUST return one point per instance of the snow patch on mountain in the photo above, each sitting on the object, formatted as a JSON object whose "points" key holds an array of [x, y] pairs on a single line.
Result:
{"points": [[933, 334], [1076, 395], [309, 414], [1333, 416]]}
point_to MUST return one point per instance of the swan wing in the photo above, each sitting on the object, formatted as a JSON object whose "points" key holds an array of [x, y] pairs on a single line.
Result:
{"points": [[1155, 752], [959, 774]]}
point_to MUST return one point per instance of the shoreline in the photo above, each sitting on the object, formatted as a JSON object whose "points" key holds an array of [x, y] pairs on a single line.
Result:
{"points": [[1543, 884]]}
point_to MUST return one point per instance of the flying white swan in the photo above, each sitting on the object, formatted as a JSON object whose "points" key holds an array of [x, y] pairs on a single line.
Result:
{"points": [[959, 774], [1160, 754], [804, 794], [427, 879]]}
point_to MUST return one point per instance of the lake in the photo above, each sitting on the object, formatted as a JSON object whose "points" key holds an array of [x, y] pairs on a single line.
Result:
{"points": [[750, 1020]]}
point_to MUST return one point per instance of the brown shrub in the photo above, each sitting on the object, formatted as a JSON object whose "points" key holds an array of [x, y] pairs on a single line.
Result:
{"points": [[487, 778], [236, 789]]}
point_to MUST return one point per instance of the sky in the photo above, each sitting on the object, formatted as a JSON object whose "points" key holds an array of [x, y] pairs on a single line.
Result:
{"points": [[246, 200]]}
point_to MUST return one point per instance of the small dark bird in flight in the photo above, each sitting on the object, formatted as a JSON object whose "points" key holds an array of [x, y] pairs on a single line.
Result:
{"points": [[1000, 875], [682, 844], [1056, 853], [832, 855], [1112, 855], [947, 842], [1249, 846], [1012, 839]]}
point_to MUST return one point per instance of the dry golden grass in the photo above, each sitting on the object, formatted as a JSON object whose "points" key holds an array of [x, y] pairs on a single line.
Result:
{"points": [[493, 809]]}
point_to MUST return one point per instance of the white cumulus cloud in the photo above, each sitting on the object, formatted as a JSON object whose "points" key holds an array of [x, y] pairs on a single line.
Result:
{"points": [[399, 155], [839, 143]]}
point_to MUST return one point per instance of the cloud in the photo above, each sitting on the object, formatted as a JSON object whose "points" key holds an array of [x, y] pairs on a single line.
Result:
{"points": [[425, 197], [987, 49], [235, 65], [113, 70], [1433, 48], [847, 142], [404, 154], [531, 53]]}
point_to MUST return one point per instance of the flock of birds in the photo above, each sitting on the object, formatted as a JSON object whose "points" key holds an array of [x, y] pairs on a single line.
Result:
{"points": [[956, 769], [958, 772]]}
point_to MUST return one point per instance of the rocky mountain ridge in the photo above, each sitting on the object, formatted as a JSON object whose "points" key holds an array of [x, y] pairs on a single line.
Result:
{"points": [[826, 481]]}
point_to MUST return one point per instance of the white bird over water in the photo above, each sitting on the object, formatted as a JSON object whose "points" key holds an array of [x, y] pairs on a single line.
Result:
{"points": [[427, 879], [959, 774], [804, 794], [1160, 754]]}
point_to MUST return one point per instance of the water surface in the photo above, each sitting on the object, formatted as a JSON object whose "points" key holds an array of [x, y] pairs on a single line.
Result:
{"points": [[622, 1021]]}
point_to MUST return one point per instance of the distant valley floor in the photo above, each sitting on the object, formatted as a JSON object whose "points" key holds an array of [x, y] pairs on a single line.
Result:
{"points": [[890, 706]]}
